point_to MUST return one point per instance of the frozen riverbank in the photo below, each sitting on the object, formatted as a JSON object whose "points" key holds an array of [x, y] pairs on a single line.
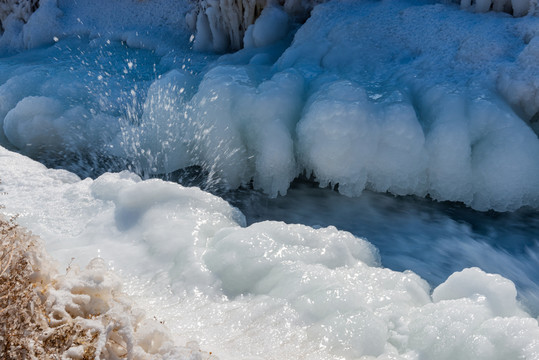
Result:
{"points": [[269, 290]]}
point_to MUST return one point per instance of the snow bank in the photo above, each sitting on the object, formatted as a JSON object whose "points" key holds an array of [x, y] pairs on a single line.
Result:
{"points": [[155, 24], [80, 315], [280, 290]]}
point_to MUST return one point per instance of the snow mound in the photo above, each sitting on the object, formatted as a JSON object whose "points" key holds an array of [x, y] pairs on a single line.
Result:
{"points": [[153, 24], [80, 315], [270, 290]]}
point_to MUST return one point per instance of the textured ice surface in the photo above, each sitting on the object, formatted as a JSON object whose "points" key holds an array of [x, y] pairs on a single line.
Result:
{"points": [[405, 97], [152, 24], [433, 240], [225, 25], [515, 7], [407, 102], [367, 95], [270, 290]]}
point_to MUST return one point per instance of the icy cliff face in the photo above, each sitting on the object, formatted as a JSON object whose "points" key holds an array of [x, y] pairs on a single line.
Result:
{"points": [[221, 25], [367, 95], [16, 11], [515, 7]]}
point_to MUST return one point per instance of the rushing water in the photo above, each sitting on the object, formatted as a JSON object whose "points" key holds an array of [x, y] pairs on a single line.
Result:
{"points": [[432, 239]]}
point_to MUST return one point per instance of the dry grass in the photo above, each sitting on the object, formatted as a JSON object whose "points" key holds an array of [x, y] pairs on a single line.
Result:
{"points": [[82, 314], [25, 331]]}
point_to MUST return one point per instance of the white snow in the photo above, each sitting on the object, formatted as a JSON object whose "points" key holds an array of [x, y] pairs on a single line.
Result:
{"points": [[270, 290], [132, 21], [406, 97]]}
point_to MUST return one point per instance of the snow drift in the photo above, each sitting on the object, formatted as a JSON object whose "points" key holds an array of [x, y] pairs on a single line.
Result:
{"points": [[270, 290]]}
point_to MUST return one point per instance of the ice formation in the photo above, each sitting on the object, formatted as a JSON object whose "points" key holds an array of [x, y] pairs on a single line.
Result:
{"points": [[414, 108], [26, 25], [414, 125], [82, 314], [16, 11], [391, 96], [269, 290], [223, 25], [515, 7], [230, 24]]}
